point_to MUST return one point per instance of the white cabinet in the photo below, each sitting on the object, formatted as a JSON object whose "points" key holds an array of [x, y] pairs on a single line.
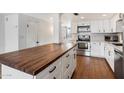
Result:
{"points": [[113, 23], [51, 72], [68, 64], [100, 26], [10, 73], [106, 26], [94, 27], [109, 55], [97, 49]]}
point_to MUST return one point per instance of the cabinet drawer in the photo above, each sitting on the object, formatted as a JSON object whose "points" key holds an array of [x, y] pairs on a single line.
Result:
{"points": [[66, 62], [67, 75], [56, 74], [50, 70]]}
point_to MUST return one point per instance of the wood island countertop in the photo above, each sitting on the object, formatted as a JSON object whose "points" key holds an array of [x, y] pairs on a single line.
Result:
{"points": [[34, 60]]}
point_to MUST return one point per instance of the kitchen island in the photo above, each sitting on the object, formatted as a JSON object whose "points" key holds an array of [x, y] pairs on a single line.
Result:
{"points": [[47, 61]]}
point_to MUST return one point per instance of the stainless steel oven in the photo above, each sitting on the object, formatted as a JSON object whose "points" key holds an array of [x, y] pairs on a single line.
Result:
{"points": [[84, 48]]}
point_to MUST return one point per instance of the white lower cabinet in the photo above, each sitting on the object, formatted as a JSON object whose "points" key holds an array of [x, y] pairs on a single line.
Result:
{"points": [[109, 55], [62, 68], [97, 49], [68, 64], [10, 73]]}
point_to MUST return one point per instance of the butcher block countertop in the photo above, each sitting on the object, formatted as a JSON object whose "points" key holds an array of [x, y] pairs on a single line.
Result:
{"points": [[34, 60]]}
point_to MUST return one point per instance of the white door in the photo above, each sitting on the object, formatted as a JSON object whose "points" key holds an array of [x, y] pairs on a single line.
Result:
{"points": [[32, 35], [11, 33]]}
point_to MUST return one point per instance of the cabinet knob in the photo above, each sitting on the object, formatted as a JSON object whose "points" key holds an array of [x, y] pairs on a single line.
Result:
{"points": [[54, 77], [67, 55], [67, 66]]}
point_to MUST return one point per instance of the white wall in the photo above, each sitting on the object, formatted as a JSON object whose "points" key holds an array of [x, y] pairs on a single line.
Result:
{"points": [[45, 32], [54, 22], [49, 30], [45, 29], [2, 33]]}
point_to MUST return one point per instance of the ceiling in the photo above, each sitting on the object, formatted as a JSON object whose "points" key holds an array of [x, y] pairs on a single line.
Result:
{"points": [[96, 16], [70, 17]]}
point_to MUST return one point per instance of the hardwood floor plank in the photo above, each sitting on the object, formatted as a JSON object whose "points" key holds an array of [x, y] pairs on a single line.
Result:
{"points": [[92, 68]]}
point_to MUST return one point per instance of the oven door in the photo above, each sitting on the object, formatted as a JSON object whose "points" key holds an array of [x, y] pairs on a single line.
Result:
{"points": [[83, 46]]}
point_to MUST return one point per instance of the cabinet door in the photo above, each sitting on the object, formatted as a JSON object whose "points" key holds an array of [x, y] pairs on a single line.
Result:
{"points": [[94, 27], [51, 72], [11, 73], [100, 26], [112, 60], [95, 49], [101, 49], [106, 26], [68, 64]]}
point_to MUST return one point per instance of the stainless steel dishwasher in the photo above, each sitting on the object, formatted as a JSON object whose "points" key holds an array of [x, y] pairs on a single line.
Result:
{"points": [[118, 64]]}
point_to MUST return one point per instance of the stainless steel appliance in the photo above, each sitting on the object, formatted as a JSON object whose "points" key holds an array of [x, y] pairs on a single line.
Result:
{"points": [[112, 38], [83, 28], [118, 64], [84, 47], [119, 55], [83, 37]]}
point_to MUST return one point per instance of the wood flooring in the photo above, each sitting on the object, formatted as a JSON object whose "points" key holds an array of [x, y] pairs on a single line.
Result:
{"points": [[92, 68]]}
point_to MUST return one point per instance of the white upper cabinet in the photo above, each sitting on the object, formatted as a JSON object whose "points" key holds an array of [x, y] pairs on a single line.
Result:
{"points": [[94, 27], [100, 26], [106, 26], [113, 23]]}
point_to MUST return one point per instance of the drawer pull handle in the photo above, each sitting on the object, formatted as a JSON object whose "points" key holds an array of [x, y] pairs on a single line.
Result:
{"points": [[67, 55], [52, 69], [54, 77], [67, 66]]}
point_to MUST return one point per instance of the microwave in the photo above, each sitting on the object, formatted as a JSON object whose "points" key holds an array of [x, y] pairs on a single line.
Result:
{"points": [[113, 38], [85, 28]]}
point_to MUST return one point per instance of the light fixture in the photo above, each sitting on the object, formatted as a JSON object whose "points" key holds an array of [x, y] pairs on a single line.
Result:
{"points": [[82, 17], [104, 15], [51, 18]]}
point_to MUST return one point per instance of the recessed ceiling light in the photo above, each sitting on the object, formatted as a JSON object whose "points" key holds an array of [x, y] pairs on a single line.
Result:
{"points": [[104, 15], [82, 17], [51, 18]]}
